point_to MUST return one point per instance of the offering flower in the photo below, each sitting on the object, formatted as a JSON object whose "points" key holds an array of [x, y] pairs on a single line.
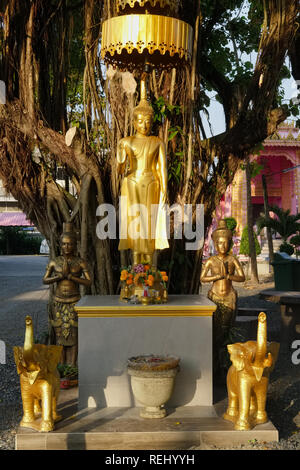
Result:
{"points": [[139, 268], [149, 282], [144, 276], [124, 274]]}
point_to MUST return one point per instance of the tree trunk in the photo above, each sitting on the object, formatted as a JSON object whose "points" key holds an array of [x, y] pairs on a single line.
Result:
{"points": [[267, 215], [252, 248]]}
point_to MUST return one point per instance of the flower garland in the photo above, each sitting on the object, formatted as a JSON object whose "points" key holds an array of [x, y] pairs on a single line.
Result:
{"points": [[142, 275]]}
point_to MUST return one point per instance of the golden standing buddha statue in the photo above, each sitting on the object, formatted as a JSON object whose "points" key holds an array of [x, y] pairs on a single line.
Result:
{"points": [[68, 271], [222, 269], [143, 159]]}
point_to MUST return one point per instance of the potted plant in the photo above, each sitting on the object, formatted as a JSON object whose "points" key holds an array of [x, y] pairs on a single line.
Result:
{"points": [[152, 381], [68, 375]]}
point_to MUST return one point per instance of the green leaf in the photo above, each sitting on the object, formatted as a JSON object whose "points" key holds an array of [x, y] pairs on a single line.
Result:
{"points": [[172, 135]]}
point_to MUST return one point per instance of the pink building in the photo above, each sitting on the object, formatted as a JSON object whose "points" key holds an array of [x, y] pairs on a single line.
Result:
{"points": [[280, 152]]}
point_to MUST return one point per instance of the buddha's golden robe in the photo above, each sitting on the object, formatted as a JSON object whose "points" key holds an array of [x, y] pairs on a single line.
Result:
{"points": [[143, 227]]}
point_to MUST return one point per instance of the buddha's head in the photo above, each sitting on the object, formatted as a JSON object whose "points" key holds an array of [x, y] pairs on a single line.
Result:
{"points": [[142, 121], [143, 114], [222, 237], [68, 240]]}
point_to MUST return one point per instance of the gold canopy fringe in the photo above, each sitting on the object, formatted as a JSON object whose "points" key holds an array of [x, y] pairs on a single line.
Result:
{"points": [[133, 35], [172, 5]]}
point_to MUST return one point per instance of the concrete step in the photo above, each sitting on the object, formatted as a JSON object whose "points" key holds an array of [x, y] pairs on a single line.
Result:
{"points": [[115, 428]]}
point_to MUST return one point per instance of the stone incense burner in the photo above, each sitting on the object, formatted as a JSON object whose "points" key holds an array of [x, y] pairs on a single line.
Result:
{"points": [[152, 382]]}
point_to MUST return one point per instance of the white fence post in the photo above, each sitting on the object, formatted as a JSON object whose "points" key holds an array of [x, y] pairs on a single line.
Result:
{"points": [[2, 353], [2, 92]]}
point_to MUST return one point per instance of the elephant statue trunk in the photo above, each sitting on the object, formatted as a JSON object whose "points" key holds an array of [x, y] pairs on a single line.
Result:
{"points": [[260, 359], [28, 341], [248, 378], [261, 343]]}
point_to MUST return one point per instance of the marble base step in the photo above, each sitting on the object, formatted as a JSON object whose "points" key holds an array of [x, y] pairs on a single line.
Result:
{"points": [[123, 429]]}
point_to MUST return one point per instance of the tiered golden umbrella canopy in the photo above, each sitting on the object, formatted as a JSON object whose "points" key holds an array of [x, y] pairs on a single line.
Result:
{"points": [[146, 32]]}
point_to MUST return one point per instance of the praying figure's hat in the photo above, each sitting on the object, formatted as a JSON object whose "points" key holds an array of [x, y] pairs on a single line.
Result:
{"points": [[221, 231]]}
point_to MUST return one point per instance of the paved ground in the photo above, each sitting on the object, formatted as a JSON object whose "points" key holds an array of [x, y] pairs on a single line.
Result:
{"points": [[22, 293]]}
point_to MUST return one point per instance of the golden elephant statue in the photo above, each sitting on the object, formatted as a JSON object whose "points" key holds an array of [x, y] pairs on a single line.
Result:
{"points": [[248, 378], [39, 379]]}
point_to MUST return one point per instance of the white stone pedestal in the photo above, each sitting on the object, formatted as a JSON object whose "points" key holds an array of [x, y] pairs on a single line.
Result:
{"points": [[111, 331]]}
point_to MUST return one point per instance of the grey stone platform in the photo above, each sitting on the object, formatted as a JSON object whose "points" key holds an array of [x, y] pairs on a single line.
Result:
{"points": [[111, 331], [121, 428]]}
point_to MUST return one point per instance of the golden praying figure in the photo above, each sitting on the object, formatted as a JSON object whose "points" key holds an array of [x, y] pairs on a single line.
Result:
{"points": [[68, 271], [222, 269], [143, 159]]}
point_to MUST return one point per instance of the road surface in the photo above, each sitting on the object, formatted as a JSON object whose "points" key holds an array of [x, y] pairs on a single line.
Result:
{"points": [[22, 293]]}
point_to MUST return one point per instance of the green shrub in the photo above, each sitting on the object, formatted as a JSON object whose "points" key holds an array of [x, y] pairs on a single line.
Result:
{"points": [[14, 241], [231, 223], [295, 240], [244, 246]]}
